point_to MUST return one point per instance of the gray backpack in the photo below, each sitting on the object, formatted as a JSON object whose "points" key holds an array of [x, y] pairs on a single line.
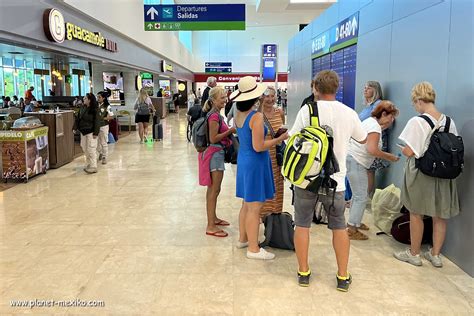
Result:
{"points": [[143, 109], [200, 132], [279, 231]]}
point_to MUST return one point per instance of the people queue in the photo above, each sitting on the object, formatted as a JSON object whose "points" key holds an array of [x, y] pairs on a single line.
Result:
{"points": [[360, 148]]}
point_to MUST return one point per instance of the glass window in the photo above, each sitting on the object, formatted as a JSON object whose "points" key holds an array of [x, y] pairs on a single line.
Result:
{"points": [[19, 63], [9, 82], [7, 62], [75, 85], [21, 78], [1, 80], [30, 78]]}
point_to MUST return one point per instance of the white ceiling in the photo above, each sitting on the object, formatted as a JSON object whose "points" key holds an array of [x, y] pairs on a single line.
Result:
{"points": [[273, 12]]}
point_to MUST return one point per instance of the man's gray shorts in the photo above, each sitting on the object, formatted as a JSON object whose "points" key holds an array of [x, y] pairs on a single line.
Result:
{"points": [[305, 201]]}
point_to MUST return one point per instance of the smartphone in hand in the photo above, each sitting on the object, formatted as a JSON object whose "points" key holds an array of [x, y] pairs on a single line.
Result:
{"points": [[281, 131]]}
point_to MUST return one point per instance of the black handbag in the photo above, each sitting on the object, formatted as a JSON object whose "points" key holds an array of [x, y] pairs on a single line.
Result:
{"points": [[280, 148]]}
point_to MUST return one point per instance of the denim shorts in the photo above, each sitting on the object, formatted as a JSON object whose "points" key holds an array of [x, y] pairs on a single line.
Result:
{"points": [[305, 201], [217, 161]]}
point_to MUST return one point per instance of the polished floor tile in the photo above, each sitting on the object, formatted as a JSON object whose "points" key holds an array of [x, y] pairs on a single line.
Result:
{"points": [[132, 235]]}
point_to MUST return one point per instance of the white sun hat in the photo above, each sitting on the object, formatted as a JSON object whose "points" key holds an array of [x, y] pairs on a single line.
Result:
{"points": [[248, 89]]}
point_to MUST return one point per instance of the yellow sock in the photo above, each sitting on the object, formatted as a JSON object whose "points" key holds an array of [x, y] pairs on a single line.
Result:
{"points": [[305, 273], [344, 278]]}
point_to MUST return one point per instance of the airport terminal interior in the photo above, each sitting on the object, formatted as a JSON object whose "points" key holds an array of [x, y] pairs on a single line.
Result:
{"points": [[125, 192]]}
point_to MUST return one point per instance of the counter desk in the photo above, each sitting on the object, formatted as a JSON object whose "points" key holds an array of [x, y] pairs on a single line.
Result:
{"points": [[60, 135]]}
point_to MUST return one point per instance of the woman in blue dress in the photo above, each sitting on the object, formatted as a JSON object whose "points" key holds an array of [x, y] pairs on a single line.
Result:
{"points": [[254, 170]]}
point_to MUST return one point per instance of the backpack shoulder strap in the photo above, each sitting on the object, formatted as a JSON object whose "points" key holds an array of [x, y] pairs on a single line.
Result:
{"points": [[447, 126], [427, 119], [313, 113]]}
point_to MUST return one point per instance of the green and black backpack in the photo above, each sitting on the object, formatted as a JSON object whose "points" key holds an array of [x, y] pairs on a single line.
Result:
{"points": [[309, 160]]}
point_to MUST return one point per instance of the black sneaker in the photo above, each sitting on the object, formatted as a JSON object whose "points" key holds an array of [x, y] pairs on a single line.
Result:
{"points": [[343, 283], [303, 278]]}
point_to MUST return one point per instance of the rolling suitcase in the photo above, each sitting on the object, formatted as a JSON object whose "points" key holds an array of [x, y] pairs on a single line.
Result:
{"points": [[157, 129]]}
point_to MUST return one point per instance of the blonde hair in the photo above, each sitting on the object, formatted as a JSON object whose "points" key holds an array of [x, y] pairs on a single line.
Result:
{"points": [[214, 93], [142, 96], [423, 91], [265, 94], [378, 94]]}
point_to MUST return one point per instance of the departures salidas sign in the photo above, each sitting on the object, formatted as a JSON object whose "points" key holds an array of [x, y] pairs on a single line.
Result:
{"points": [[194, 17], [57, 30]]}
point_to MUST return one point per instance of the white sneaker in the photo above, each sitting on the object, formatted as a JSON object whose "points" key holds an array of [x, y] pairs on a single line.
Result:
{"points": [[104, 161], [406, 256], [241, 245], [261, 255], [435, 260]]}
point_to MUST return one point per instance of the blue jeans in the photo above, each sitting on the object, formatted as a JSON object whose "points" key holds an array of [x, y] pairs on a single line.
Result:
{"points": [[358, 179]]}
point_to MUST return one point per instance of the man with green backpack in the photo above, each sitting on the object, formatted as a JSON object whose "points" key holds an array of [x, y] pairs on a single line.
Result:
{"points": [[315, 159]]}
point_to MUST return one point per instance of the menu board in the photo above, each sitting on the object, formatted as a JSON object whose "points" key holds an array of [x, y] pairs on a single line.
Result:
{"points": [[343, 62]]}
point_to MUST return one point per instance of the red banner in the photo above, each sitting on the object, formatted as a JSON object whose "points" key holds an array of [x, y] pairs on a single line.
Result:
{"points": [[200, 77]]}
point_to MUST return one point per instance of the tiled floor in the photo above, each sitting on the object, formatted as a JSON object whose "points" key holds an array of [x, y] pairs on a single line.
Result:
{"points": [[132, 235]]}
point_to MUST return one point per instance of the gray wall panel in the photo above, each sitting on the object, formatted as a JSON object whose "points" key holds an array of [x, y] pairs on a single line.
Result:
{"points": [[374, 60], [459, 105], [306, 34], [403, 8], [374, 15], [347, 8]]}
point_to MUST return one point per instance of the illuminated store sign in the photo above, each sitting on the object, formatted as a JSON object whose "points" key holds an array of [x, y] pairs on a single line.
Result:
{"points": [[57, 30], [165, 67]]}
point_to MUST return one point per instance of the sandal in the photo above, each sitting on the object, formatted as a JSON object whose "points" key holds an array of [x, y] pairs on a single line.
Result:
{"points": [[219, 233], [222, 222], [363, 227], [356, 235]]}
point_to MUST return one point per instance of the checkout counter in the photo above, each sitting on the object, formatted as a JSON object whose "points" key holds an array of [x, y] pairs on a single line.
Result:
{"points": [[60, 135]]}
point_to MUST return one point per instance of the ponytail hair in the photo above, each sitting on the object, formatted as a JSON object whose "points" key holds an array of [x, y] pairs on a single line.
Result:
{"points": [[214, 93]]}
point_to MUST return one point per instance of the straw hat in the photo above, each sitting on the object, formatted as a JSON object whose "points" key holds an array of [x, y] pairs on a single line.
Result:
{"points": [[248, 89]]}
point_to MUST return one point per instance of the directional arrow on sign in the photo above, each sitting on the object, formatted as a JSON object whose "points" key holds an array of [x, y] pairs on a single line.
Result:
{"points": [[150, 26], [152, 11]]}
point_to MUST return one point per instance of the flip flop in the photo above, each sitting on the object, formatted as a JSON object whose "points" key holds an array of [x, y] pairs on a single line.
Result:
{"points": [[222, 222], [219, 233]]}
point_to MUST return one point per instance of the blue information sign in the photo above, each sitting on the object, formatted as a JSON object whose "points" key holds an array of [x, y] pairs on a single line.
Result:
{"points": [[218, 64], [269, 61], [218, 69], [269, 50], [194, 17]]}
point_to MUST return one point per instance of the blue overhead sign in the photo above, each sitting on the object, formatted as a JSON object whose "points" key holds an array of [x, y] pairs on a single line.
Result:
{"points": [[194, 17], [269, 50], [218, 64], [269, 62], [343, 34]]}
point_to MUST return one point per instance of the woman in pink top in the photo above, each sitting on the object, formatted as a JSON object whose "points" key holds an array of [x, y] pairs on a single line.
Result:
{"points": [[211, 161]]}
